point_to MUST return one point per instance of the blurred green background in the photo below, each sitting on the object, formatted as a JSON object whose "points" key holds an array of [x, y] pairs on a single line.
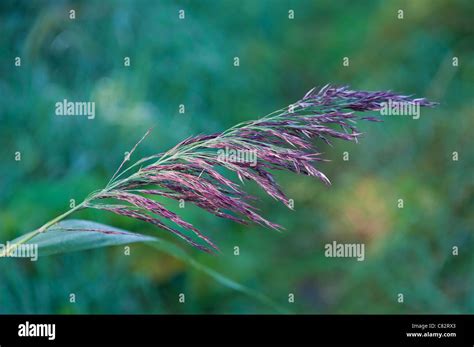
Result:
{"points": [[190, 62]]}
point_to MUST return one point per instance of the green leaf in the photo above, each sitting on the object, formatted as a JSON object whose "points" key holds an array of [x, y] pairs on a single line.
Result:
{"points": [[77, 235]]}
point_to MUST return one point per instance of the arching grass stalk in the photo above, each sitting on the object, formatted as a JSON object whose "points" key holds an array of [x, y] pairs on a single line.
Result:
{"points": [[287, 139]]}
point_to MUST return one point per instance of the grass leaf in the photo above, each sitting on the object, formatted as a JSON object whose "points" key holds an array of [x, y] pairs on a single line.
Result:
{"points": [[77, 235]]}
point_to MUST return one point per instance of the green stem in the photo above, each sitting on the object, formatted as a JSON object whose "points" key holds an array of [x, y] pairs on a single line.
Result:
{"points": [[43, 228]]}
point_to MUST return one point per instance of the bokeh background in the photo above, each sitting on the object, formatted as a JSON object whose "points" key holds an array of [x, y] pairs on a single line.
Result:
{"points": [[190, 62]]}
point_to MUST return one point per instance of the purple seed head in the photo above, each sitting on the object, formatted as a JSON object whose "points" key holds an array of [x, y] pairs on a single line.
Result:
{"points": [[193, 171]]}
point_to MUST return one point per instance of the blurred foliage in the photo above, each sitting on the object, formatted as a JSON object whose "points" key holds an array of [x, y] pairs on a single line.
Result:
{"points": [[190, 62]]}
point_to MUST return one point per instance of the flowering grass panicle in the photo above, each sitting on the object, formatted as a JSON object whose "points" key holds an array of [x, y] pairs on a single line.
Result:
{"points": [[191, 171]]}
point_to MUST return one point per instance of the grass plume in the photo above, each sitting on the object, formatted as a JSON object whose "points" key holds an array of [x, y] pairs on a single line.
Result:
{"points": [[288, 139]]}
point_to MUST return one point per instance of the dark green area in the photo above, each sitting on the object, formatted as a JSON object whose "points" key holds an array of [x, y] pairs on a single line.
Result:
{"points": [[190, 62]]}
